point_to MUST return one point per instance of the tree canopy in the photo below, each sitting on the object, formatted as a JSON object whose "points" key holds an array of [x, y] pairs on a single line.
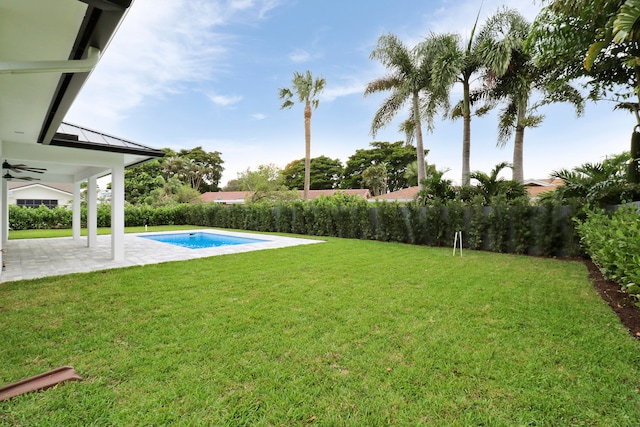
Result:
{"points": [[595, 41], [196, 168], [396, 157], [266, 184], [325, 173]]}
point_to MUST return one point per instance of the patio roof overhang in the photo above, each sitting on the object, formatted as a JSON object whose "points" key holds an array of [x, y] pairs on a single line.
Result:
{"points": [[33, 104], [47, 51], [41, 30]]}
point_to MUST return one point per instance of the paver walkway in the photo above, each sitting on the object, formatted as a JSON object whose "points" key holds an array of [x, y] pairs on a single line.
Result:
{"points": [[33, 258]]}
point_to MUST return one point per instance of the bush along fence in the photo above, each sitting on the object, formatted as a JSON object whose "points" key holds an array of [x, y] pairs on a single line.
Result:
{"points": [[612, 240], [512, 228]]}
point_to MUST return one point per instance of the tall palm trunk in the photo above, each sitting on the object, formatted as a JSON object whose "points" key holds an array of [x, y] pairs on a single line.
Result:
{"points": [[307, 149], [422, 173], [466, 134], [518, 143]]}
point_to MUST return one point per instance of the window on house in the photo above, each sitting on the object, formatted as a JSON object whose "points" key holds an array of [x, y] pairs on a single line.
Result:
{"points": [[35, 203]]}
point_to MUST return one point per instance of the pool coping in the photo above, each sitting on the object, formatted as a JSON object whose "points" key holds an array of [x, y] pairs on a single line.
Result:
{"points": [[44, 257]]}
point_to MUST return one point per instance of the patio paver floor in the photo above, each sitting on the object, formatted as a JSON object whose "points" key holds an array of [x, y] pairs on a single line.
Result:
{"points": [[34, 258]]}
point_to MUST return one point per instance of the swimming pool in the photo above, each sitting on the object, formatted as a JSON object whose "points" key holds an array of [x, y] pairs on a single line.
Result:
{"points": [[201, 240]]}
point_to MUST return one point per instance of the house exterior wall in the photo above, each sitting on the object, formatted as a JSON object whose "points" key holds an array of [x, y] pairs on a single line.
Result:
{"points": [[40, 193]]}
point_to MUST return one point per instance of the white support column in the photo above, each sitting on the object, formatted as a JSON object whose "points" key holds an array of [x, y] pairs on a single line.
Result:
{"points": [[5, 212], [117, 212], [92, 213], [4, 226], [76, 219]]}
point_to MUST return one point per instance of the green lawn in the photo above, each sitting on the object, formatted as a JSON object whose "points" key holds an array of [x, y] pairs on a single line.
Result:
{"points": [[342, 333]]}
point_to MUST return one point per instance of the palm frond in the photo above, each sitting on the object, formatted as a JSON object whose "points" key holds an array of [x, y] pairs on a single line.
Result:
{"points": [[305, 87], [387, 111], [626, 26], [498, 168], [456, 111], [502, 34], [408, 127], [286, 95], [627, 106], [287, 104], [532, 120], [393, 54], [382, 84], [484, 109], [506, 124]]}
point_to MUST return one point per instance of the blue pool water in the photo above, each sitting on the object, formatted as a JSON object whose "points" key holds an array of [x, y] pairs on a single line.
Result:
{"points": [[200, 240]]}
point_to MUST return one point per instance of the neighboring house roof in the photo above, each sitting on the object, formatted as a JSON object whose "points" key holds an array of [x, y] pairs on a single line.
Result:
{"points": [[230, 197], [402, 195], [535, 187], [225, 196], [64, 188]]}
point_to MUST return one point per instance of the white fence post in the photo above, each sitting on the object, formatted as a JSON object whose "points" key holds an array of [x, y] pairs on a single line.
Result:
{"points": [[455, 242]]}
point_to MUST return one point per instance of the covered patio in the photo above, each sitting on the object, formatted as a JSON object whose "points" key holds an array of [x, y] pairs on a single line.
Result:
{"points": [[47, 51]]}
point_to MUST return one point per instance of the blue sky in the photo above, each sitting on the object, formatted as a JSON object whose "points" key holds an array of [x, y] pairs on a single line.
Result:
{"points": [[187, 73]]}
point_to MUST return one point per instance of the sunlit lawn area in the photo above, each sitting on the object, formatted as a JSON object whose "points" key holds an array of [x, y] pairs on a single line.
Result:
{"points": [[343, 333]]}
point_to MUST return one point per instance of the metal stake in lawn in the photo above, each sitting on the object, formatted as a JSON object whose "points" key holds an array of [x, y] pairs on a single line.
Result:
{"points": [[455, 242]]}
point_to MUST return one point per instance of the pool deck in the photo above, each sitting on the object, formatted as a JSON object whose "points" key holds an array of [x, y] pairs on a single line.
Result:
{"points": [[34, 258]]}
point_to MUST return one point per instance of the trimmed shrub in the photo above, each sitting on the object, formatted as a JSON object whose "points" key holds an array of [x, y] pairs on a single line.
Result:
{"points": [[521, 215], [499, 223], [505, 227], [392, 225], [613, 243], [477, 223], [548, 230], [417, 223]]}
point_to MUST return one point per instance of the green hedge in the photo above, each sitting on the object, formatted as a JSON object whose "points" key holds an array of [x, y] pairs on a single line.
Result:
{"points": [[504, 227], [613, 243]]}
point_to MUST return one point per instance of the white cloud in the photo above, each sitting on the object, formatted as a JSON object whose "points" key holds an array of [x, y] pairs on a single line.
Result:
{"points": [[459, 17], [223, 100], [333, 92], [299, 55], [241, 4], [258, 116], [161, 46]]}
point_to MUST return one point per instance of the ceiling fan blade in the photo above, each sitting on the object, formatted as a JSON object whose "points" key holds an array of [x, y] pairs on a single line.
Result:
{"points": [[10, 177], [22, 168]]}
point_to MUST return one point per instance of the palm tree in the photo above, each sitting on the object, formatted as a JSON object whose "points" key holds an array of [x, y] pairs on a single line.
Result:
{"points": [[411, 172], [465, 62], [603, 183], [514, 78], [459, 63], [490, 186], [375, 178], [307, 89], [435, 188], [411, 75]]}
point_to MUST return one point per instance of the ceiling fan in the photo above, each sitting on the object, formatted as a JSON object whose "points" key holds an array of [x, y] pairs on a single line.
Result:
{"points": [[22, 168], [10, 177]]}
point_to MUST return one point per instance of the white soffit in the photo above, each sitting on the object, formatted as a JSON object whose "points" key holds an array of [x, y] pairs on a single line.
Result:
{"points": [[33, 30]]}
